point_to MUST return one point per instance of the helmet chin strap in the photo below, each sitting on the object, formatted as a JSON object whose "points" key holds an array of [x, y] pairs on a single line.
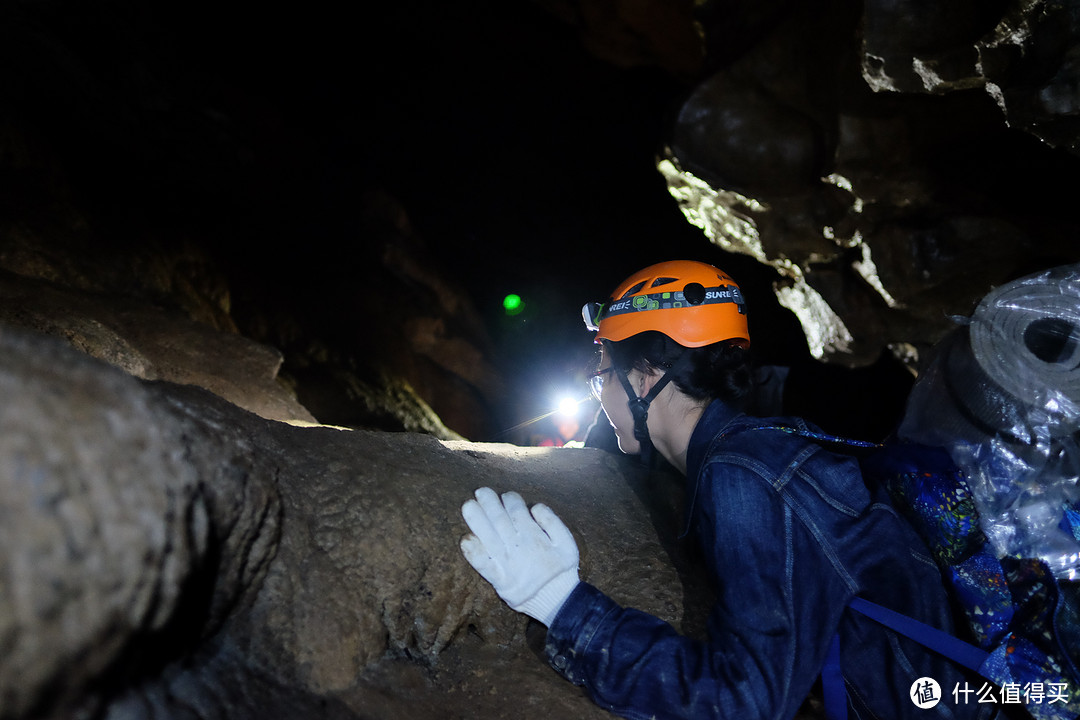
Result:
{"points": [[639, 406]]}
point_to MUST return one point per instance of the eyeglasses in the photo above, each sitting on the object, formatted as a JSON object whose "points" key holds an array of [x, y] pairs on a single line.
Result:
{"points": [[596, 380]]}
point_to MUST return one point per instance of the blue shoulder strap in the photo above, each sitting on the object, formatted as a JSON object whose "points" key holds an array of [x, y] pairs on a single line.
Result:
{"points": [[835, 694], [832, 683], [832, 679], [928, 636]]}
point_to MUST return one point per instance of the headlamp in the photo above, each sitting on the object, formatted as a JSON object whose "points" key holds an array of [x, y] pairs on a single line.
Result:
{"points": [[591, 315]]}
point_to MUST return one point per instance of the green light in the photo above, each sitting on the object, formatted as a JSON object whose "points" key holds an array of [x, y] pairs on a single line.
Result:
{"points": [[513, 304]]}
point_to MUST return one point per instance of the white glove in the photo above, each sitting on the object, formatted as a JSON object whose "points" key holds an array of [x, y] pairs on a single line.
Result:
{"points": [[530, 559]]}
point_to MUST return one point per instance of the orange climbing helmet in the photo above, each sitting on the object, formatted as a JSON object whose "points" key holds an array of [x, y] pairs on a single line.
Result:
{"points": [[693, 303]]}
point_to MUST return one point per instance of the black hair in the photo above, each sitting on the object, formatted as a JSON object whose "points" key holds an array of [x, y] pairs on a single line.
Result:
{"points": [[722, 370]]}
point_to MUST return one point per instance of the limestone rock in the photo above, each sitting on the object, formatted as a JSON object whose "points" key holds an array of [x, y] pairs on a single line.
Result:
{"points": [[882, 161], [168, 553], [118, 548], [154, 344]]}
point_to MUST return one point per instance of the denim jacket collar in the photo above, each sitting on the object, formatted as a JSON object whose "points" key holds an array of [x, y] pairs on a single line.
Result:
{"points": [[714, 420]]}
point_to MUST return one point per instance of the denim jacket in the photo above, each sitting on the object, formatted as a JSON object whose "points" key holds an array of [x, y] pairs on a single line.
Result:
{"points": [[790, 533]]}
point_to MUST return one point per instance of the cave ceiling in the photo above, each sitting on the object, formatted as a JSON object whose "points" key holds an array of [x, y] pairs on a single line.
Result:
{"points": [[363, 187]]}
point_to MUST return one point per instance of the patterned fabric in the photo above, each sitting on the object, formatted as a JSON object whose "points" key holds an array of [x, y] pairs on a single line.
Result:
{"points": [[1026, 619]]}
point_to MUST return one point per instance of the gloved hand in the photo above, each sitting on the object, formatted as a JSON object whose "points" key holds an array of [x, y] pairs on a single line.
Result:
{"points": [[530, 559]]}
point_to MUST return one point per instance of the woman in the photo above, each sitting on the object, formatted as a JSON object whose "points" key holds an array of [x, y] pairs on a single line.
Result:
{"points": [[789, 531]]}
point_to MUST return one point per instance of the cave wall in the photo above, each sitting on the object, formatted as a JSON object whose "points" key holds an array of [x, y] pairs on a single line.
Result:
{"points": [[360, 195], [263, 224], [169, 554], [892, 161]]}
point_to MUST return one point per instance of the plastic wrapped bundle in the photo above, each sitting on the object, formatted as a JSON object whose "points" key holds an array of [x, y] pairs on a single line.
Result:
{"points": [[1002, 395]]}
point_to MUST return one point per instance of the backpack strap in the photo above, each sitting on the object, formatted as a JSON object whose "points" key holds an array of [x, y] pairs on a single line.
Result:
{"points": [[832, 679], [832, 683], [928, 636], [822, 438]]}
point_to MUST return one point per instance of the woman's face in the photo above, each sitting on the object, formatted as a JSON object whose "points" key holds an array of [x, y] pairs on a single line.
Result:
{"points": [[616, 406]]}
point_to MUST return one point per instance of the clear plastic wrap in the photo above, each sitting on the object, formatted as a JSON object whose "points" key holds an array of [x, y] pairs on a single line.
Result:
{"points": [[1002, 395]]}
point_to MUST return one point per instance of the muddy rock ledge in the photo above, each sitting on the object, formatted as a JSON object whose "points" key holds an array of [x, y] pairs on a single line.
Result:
{"points": [[166, 554]]}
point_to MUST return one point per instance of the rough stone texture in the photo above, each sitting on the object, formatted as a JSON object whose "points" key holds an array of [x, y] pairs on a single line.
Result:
{"points": [[123, 543], [163, 312], [167, 554], [397, 344], [203, 226], [370, 601], [891, 161], [154, 344]]}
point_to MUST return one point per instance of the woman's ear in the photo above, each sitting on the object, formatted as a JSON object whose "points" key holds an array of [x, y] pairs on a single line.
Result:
{"points": [[644, 381]]}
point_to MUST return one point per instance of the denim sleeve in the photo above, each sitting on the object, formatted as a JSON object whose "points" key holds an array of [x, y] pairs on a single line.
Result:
{"points": [[765, 646]]}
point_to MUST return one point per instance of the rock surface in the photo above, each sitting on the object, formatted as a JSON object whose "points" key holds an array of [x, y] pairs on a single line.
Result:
{"points": [[892, 162], [154, 344], [167, 554]]}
